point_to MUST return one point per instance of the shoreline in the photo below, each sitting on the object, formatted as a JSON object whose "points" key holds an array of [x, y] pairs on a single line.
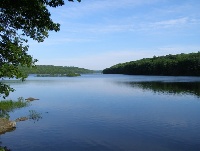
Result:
{"points": [[6, 125]]}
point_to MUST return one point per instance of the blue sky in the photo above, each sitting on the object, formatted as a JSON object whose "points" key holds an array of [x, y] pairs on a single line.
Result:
{"points": [[96, 34]]}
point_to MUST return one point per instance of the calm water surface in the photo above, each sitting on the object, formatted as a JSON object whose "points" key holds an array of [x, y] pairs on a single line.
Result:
{"points": [[108, 113]]}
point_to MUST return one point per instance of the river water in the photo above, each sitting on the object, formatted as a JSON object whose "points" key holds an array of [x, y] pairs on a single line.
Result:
{"points": [[107, 113]]}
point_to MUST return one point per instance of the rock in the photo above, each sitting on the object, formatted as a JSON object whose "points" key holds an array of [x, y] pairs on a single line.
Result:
{"points": [[12, 124], [6, 125], [31, 99], [21, 119]]}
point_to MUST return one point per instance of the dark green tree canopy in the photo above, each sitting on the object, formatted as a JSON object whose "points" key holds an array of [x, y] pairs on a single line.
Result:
{"points": [[169, 65], [20, 19]]}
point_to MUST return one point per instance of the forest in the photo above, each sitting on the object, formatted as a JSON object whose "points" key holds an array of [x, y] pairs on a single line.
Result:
{"points": [[169, 65], [54, 70]]}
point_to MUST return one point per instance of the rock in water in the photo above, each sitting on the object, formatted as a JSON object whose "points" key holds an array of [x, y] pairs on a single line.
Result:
{"points": [[6, 125], [31, 99], [12, 124], [21, 119]]}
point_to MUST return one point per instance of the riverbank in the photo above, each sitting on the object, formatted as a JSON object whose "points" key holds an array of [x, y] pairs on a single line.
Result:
{"points": [[6, 125], [7, 106]]}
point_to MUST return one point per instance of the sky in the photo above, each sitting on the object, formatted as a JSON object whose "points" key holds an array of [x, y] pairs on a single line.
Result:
{"points": [[97, 34]]}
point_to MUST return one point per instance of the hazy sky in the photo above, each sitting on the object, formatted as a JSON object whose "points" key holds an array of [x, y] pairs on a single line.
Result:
{"points": [[96, 34]]}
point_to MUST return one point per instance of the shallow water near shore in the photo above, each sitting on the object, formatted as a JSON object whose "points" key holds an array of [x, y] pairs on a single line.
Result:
{"points": [[107, 113]]}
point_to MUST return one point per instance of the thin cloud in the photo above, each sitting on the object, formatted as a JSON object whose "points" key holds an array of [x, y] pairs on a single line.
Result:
{"points": [[84, 8], [125, 23], [58, 41], [179, 49], [131, 27], [171, 23]]}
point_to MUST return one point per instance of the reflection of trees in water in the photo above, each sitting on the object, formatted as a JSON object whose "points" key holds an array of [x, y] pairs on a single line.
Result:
{"points": [[170, 87]]}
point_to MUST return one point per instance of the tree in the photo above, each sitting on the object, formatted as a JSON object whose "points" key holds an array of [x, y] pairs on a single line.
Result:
{"points": [[169, 65], [19, 20]]}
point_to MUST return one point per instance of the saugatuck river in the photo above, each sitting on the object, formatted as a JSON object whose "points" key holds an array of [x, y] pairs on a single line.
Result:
{"points": [[108, 113]]}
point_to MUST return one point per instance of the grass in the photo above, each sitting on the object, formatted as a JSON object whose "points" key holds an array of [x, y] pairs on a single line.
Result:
{"points": [[10, 105]]}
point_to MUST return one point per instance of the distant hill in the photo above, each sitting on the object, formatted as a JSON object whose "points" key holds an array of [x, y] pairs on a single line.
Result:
{"points": [[50, 69], [171, 65]]}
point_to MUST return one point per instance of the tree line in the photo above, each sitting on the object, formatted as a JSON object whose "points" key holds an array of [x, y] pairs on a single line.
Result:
{"points": [[54, 70], [169, 65]]}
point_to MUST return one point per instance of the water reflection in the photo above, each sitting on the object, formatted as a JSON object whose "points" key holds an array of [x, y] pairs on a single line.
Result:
{"points": [[192, 88], [3, 148], [109, 114], [33, 116]]}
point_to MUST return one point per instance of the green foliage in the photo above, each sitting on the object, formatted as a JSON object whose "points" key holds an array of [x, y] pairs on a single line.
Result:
{"points": [[19, 20], [54, 70], [72, 74], [171, 65], [9, 105]]}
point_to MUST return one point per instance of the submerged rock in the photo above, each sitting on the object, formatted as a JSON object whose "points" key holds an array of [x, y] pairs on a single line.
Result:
{"points": [[21, 119], [31, 99]]}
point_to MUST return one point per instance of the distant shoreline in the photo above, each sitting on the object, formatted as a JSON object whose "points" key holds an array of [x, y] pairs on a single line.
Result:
{"points": [[169, 65]]}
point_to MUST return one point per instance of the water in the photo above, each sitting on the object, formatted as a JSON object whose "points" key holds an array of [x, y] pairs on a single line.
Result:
{"points": [[108, 113]]}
